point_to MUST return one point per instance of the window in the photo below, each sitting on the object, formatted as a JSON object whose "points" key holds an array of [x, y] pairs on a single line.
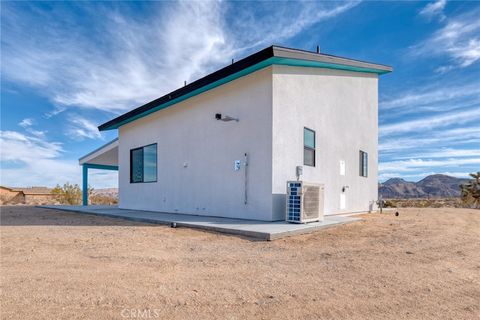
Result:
{"points": [[308, 147], [143, 164], [363, 164]]}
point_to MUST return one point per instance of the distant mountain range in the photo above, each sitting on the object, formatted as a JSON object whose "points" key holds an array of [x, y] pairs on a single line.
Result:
{"points": [[434, 186], [109, 192]]}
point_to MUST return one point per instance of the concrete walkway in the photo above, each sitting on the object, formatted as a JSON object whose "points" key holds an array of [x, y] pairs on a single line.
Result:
{"points": [[250, 228]]}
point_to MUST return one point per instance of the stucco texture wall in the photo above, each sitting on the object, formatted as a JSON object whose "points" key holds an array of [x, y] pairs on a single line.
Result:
{"points": [[342, 108], [196, 153]]}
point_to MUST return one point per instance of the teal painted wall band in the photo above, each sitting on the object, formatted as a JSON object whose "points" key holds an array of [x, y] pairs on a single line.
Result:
{"points": [[258, 66]]}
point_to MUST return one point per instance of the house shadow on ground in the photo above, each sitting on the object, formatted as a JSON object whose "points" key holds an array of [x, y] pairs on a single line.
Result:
{"points": [[33, 216]]}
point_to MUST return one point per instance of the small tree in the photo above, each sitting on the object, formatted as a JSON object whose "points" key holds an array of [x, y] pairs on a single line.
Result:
{"points": [[471, 191], [70, 193]]}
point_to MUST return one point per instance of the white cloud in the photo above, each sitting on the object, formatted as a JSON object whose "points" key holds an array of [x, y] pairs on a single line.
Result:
{"points": [[27, 122], [420, 164], [281, 21], [432, 122], [434, 9], [459, 39], [81, 129], [133, 61], [445, 153], [37, 133], [446, 138], [36, 161], [30, 161], [433, 96], [20, 147]]}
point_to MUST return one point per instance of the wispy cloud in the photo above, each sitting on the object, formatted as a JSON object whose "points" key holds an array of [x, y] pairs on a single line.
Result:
{"points": [[135, 60], [416, 164], [431, 122], [27, 122], [23, 148], [446, 138], [445, 153], [458, 39], [434, 9], [27, 160], [267, 25], [130, 62], [426, 96], [81, 129]]}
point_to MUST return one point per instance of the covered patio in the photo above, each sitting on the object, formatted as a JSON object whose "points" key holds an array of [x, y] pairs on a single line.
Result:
{"points": [[103, 158]]}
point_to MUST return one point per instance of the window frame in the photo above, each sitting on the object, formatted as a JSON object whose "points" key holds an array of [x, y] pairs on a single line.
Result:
{"points": [[305, 147], [143, 163], [363, 164]]}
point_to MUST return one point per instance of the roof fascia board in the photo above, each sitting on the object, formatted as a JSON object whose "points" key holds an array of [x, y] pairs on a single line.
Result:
{"points": [[327, 65], [329, 60]]}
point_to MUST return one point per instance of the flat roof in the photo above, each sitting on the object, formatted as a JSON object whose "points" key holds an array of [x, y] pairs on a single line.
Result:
{"points": [[261, 59]]}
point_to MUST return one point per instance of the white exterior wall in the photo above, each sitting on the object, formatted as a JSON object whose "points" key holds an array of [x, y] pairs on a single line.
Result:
{"points": [[188, 132], [342, 108], [273, 105]]}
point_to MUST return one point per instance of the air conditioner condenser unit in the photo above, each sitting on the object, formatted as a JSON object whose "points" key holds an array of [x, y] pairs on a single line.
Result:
{"points": [[304, 202]]}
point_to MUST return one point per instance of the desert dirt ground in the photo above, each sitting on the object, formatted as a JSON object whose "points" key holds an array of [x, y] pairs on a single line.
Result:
{"points": [[423, 264]]}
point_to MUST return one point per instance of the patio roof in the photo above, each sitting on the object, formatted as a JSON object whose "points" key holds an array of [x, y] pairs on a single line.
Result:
{"points": [[106, 155]]}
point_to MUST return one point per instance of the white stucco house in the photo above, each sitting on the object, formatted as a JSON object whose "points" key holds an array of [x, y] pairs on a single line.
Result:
{"points": [[226, 144]]}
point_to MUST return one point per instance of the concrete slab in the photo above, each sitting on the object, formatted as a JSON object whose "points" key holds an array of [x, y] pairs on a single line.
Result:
{"points": [[250, 228]]}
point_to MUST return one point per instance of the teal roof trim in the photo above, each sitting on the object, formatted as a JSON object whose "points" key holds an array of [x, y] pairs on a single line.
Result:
{"points": [[325, 65]]}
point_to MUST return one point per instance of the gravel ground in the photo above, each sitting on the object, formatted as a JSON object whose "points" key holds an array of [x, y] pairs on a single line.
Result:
{"points": [[423, 264]]}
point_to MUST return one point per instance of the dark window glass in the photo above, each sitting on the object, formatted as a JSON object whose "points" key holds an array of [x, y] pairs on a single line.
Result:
{"points": [[309, 157], [143, 164], [136, 156], [308, 147], [363, 164]]}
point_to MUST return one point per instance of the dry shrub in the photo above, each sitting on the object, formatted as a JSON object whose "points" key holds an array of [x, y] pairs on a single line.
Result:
{"points": [[102, 199]]}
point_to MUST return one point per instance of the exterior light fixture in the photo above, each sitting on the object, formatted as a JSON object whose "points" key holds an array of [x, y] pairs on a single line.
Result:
{"points": [[218, 116]]}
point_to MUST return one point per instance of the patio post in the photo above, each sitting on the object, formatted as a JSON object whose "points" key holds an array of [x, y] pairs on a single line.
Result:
{"points": [[85, 185]]}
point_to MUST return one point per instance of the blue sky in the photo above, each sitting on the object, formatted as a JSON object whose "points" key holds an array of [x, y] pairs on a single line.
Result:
{"points": [[70, 66]]}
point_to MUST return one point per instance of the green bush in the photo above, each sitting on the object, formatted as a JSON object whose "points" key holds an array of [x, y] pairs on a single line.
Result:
{"points": [[69, 193]]}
